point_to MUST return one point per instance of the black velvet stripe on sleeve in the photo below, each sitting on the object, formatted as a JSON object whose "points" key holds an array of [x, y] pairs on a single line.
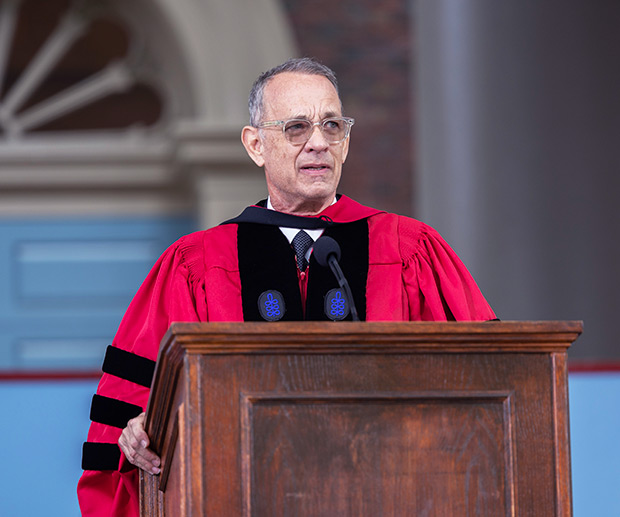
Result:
{"points": [[116, 413], [129, 366], [100, 456]]}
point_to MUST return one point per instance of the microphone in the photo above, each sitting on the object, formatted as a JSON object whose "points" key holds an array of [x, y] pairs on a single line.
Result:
{"points": [[326, 251]]}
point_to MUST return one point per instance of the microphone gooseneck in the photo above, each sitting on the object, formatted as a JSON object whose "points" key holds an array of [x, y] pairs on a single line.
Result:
{"points": [[326, 251]]}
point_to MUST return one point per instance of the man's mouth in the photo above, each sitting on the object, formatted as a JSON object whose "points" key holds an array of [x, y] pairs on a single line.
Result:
{"points": [[315, 167]]}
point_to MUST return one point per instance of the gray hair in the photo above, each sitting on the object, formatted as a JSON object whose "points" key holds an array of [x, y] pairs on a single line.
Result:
{"points": [[303, 65]]}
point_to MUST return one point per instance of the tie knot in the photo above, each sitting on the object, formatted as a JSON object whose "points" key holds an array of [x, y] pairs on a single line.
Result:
{"points": [[301, 244]]}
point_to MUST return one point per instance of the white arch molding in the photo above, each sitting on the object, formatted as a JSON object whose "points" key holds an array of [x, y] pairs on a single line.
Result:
{"points": [[200, 55]]}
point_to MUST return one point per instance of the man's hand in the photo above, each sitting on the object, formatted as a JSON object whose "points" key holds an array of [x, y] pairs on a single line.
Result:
{"points": [[134, 443]]}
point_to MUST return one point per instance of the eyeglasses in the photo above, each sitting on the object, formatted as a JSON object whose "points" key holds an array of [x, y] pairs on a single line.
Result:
{"points": [[298, 130]]}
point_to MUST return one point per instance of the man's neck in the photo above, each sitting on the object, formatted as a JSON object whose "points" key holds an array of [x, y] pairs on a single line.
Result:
{"points": [[301, 211]]}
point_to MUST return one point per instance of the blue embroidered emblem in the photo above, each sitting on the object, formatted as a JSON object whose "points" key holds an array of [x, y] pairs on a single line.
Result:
{"points": [[271, 305], [336, 305]]}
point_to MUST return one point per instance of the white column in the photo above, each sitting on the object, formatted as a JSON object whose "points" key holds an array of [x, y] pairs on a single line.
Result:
{"points": [[222, 178]]}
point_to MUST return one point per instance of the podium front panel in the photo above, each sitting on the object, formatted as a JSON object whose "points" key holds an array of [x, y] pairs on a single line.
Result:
{"points": [[377, 454]]}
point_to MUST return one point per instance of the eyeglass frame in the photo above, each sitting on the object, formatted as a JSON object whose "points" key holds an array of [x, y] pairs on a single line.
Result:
{"points": [[270, 124]]}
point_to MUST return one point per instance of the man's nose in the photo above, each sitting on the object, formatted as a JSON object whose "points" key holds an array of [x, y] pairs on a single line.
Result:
{"points": [[317, 140]]}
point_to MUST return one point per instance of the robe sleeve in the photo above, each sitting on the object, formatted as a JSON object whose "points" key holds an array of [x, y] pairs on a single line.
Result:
{"points": [[438, 285], [173, 291]]}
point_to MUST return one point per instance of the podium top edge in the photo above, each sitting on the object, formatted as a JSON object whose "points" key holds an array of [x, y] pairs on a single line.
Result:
{"points": [[564, 329]]}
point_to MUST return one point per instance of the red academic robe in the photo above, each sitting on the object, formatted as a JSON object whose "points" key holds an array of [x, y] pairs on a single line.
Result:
{"points": [[412, 275]]}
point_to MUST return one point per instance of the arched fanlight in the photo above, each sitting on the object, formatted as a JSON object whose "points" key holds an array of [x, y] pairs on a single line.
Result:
{"points": [[70, 66]]}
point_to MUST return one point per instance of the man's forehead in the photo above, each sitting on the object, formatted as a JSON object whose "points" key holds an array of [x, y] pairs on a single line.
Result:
{"points": [[290, 78], [301, 95]]}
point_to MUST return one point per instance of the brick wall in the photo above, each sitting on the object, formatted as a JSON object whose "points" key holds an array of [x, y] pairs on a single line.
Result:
{"points": [[368, 44]]}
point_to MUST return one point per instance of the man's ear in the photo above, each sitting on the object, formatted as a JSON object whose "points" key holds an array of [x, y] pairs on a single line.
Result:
{"points": [[253, 144]]}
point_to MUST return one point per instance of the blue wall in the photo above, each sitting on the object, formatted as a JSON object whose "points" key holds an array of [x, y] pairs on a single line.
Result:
{"points": [[595, 443], [45, 423]]}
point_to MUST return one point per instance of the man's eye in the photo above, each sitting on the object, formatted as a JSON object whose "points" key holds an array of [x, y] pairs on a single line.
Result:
{"points": [[296, 127], [332, 124]]}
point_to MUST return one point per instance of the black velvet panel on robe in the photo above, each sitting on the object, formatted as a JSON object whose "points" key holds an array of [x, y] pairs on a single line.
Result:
{"points": [[267, 262]]}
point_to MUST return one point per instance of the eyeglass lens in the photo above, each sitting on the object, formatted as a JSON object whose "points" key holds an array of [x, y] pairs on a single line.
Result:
{"points": [[298, 131]]}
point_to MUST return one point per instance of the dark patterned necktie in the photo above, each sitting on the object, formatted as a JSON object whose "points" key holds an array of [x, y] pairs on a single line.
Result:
{"points": [[301, 244]]}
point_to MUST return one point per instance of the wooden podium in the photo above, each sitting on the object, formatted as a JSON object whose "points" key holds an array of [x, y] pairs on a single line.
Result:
{"points": [[361, 419]]}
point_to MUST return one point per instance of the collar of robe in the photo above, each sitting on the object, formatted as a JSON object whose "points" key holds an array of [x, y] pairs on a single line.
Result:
{"points": [[260, 214]]}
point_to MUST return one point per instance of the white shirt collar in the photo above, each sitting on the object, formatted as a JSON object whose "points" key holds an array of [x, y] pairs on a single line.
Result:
{"points": [[290, 233]]}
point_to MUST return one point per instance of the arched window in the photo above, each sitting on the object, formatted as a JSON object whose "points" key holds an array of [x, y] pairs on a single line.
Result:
{"points": [[72, 66]]}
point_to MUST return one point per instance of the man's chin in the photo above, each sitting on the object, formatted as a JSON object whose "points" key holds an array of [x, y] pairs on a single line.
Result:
{"points": [[319, 193]]}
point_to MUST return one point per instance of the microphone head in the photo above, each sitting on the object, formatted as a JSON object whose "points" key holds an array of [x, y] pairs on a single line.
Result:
{"points": [[323, 248]]}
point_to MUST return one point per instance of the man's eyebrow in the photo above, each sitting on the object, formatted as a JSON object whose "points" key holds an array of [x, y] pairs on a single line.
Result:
{"points": [[329, 114]]}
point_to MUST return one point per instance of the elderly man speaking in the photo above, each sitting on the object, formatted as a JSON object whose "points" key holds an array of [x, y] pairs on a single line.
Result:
{"points": [[260, 267]]}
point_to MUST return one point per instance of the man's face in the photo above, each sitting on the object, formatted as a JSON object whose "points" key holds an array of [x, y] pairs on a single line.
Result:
{"points": [[302, 178]]}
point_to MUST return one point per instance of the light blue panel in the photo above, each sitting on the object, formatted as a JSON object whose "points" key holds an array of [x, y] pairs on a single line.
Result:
{"points": [[65, 353], [65, 285], [41, 442], [595, 443], [73, 342], [80, 271]]}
